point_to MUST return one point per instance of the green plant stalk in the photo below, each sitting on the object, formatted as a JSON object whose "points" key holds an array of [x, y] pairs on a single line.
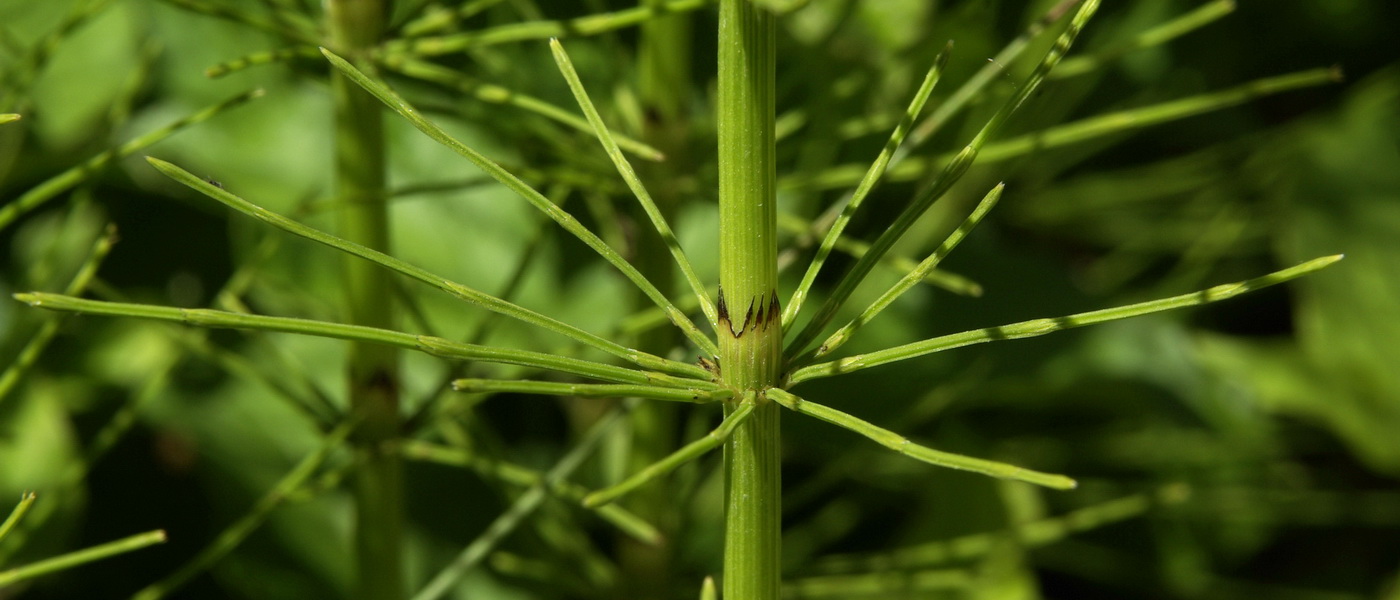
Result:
{"points": [[630, 524], [1089, 128], [86, 555], [664, 86], [233, 535], [41, 338], [750, 325], [16, 515], [355, 26], [66, 180], [495, 94], [903, 445], [1038, 327], [539, 30], [427, 344], [545, 205], [523, 506]]}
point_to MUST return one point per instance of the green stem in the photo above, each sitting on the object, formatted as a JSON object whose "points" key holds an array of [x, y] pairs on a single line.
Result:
{"points": [[750, 331], [355, 26]]}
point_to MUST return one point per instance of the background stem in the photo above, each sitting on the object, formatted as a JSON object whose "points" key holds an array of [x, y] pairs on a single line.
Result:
{"points": [[355, 26], [750, 331], [664, 89]]}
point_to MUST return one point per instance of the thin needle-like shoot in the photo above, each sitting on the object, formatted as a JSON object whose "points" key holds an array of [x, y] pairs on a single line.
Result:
{"points": [[265, 57], [302, 31], [593, 390], [972, 88], [64, 181], [658, 221], [1090, 128], [239, 530], [25, 502], [940, 185], [41, 338], [1038, 327], [514, 474], [457, 290], [913, 277], [495, 94], [504, 524], [81, 557], [427, 344], [21, 73], [437, 17], [952, 282], [1200, 17], [565, 220], [539, 30], [707, 589], [1033, 534], [8, 118], [902, 445], [872, 177], [687, 453]]}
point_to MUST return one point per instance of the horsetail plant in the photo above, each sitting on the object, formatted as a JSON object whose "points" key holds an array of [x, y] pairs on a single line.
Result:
{"points": [[745, 366]]}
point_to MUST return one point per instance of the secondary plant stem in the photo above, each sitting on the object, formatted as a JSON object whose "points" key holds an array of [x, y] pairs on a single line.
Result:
{"points": [[750, 331], [356, 26]]}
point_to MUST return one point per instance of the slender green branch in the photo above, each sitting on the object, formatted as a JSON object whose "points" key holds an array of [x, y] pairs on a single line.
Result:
{"points": [[17, 78], [423, 343], [436, 17], [658, 221], [486, 92], [524, 505], [1203, 15], [232, 536], [592, 390], [265, 57], [939, 186], [457, 290], [936, 583], [972, 88], [902, 445], [707, 589], [25, 502], [687, 453], [302, 31], [565, 220], [620, 517], [1033, 534], [8, 118], [872, 177], [1037, 327], [81, 557], [68, 179], [41, 338], [913, 277], [1091, 127], [952, 282], [538, 30]]}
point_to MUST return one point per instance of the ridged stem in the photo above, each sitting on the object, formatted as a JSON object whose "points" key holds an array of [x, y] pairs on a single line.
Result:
{"points": [[355, 26], [750, 331]]}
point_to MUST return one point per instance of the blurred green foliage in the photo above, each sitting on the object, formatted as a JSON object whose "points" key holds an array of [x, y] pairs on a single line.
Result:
{"points": [[1270, 419]]}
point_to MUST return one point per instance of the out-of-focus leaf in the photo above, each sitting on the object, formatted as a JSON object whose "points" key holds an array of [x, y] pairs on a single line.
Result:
{"points": [[1337, 183]]}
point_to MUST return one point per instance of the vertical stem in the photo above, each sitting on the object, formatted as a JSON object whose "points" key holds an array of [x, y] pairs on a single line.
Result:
{"points": [[356, 26], [664, 88], [750, 333]]}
